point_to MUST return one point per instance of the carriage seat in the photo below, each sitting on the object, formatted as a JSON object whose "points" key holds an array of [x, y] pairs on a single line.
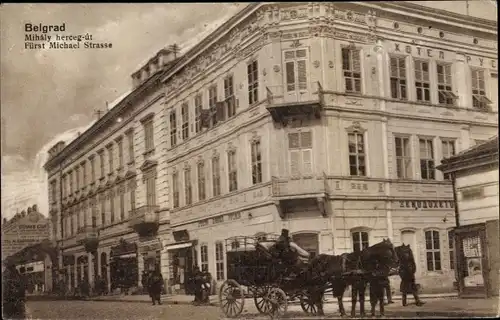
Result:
{"points": [[301, 252]]}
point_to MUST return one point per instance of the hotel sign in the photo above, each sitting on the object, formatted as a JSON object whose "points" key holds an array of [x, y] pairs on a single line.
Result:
{"points": [[433, 53]]}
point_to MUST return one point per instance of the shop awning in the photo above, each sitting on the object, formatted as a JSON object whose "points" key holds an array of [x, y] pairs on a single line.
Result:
{"points": [[130, 255], [179, 245]]}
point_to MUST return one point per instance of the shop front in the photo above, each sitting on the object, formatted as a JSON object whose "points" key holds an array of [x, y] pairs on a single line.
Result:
{"points": [[150, 251], [124, 273], [478, 260], [182, 257]]}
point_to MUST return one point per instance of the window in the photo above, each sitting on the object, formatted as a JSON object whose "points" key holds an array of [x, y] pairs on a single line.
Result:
{"points": [[175, 189], [101, 162], [188, 190], [64, 186], [359, 241], [72, 222], [212, 105], [204, 257], [148, 135], [71, 183], [219, 260], [229, 96], [296, 70], [77, 178], [201, 181], [351, 66], [422, 82], [198, 106], [445, 92], [403, 157], [112, 206], [110, 159], [215, 176], [185, 121], [119, 142], [300, 152], [151, 189], [84, 174], [398, 78], [103, 212], [256, 162], [132, 199], [53, 191], [94, 214], [253, 82], [426, 159], [173, 129], [448, 148], [451, 248], [232, 170], [92, 169], [130, 140], [433, 250], [479, 99], [357, 157]]}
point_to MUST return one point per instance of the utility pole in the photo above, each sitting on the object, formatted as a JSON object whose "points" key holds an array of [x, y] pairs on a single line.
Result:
{"points": [[99, 113], [175, 49]]}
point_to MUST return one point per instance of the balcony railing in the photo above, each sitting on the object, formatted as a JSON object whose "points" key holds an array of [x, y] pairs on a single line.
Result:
{"points": [[295, 100], [86, 233], [297, 188], [143, 215]]}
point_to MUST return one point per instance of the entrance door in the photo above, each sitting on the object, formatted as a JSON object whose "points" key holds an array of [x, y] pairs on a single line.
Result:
{"points": [[296, 84], [472, 263], [408, 237], [182, 267]]}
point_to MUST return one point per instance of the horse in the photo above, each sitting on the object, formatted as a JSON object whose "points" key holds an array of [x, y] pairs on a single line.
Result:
{"points": [[354, 269], [407, 269]]}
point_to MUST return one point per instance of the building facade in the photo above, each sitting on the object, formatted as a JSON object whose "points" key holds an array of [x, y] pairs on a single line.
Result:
{"points": [[325, 119], [328, 120], [477, 239], [107, 200]]}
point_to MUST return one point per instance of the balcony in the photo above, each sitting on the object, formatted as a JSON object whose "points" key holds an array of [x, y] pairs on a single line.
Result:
{"points": [[289, 192], [89, 237], [291, 101], [145, 220]]}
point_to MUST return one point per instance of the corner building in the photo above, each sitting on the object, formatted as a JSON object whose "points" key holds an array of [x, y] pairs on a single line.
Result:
{"points": [[328, 120], [107, 188]]}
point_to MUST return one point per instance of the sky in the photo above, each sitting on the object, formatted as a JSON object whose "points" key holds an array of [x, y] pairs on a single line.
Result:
{"points": [[46, 92]]}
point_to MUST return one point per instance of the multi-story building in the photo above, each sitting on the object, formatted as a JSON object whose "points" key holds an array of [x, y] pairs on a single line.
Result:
{"points": [[328, 120], [106, 196]]}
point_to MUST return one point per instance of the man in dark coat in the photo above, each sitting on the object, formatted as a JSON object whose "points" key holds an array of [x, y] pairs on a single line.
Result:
{"points": [[387, 286], [408, 284], [155, 284], [13, 293], [196, 280]]}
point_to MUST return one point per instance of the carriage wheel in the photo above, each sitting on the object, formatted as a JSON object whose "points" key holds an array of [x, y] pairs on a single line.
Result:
{"points": [[278, 301], [308, 305], [231, 298], [261, 299]]}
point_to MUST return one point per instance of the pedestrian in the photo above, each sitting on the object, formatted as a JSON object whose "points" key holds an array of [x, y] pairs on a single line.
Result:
{"points": [[408, 283], [155, 286], [13, 292], [387, 287], [144, 280], [196, 281]]}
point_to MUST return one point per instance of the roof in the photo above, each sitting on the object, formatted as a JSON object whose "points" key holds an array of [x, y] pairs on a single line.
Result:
{"points": [[481, 154]]}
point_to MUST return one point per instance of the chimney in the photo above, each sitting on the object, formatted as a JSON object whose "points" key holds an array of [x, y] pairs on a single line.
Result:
{"points": [[35, 208]]}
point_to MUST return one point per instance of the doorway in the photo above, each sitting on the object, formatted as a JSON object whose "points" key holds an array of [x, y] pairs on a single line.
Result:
{"points": [[182, 262], [472, 262]]}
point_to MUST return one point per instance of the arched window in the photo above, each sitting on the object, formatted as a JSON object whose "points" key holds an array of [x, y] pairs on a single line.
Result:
{"points": [[433, 250], [360, 240]]}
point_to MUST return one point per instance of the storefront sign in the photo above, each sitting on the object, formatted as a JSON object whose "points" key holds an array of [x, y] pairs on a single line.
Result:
{"points": [[426, 204], [123, 248], [152, 245], [27, 231], [433, 53]]}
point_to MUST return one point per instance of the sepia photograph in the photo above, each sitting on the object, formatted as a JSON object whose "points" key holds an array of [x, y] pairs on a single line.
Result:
{"points": [[258, 160]]}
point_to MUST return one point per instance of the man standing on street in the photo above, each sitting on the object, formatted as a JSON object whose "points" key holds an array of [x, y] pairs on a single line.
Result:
{"points": [[155, 286], [387, 287]]}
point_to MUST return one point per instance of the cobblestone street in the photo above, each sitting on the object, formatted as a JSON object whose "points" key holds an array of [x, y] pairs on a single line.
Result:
{"points": [[434, 308]]}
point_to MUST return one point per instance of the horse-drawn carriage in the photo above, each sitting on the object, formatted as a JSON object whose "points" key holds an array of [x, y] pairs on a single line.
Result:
{"points": [[274, 270], [270, 274]]}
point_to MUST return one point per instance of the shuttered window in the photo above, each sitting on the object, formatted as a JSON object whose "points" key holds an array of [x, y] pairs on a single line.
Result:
{"points": [[212, 104], [201, 181], [296, 70], [351, 67], [230, 101], [448, 149], [175, 189], [151, 189], [232, 170], [215, 176], [253, 82], [188, 189], [426, 159], [357, 156], [198, 106], [479, 99], [445, 92], [185, 121], [300, 152], [256, 162]]}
